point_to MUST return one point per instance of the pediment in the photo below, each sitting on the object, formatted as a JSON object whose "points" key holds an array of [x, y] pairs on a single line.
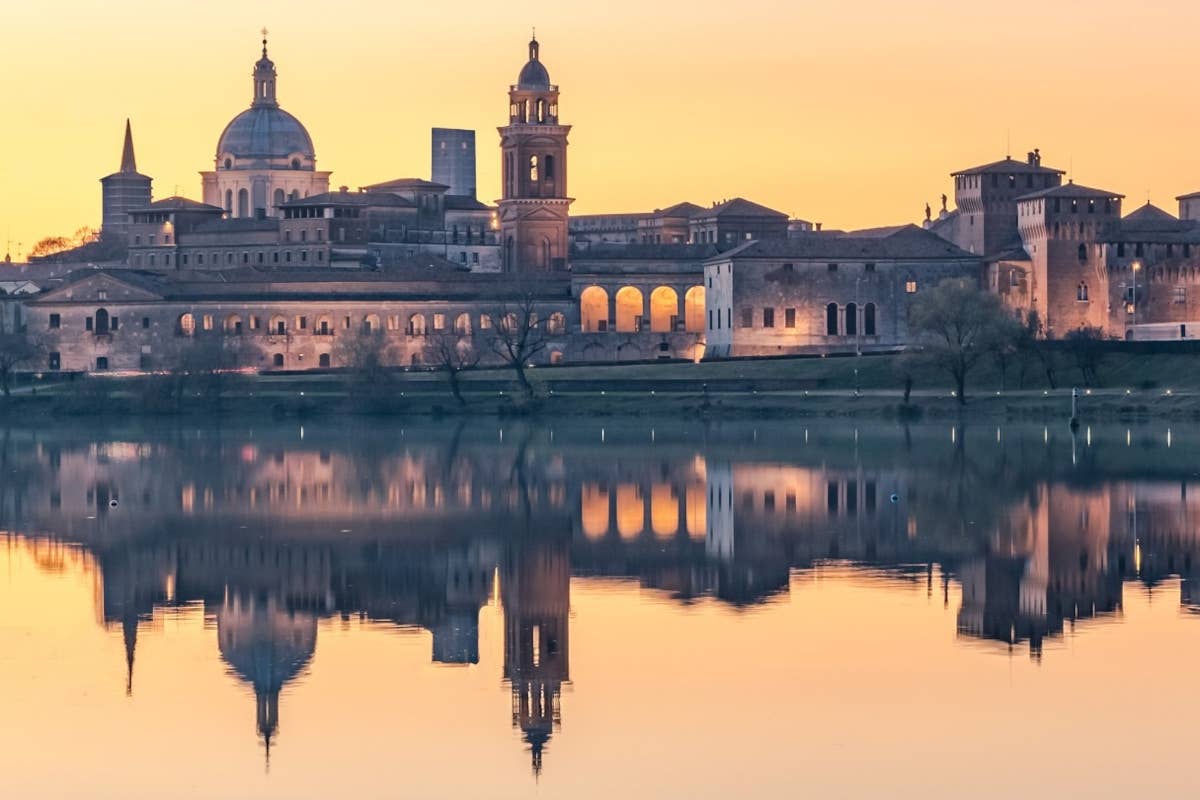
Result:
{"points": [[103, 287]]}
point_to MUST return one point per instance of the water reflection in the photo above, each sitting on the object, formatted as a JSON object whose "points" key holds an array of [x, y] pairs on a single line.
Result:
{"points": [[270, 532]]}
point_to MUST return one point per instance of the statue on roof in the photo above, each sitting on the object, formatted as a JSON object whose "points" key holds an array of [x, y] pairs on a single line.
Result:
{"points": [[944, 199], [928, 213]]}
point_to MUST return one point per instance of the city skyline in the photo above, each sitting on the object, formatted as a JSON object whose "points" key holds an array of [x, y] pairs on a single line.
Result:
{"points": [[839, 171]]}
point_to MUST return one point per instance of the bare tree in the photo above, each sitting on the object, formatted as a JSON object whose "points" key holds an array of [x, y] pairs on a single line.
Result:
{"points": [[17, 350], [956, 324], [367, 356], [1032, 345], [451, 354], [1086, 346], [518, 336]]}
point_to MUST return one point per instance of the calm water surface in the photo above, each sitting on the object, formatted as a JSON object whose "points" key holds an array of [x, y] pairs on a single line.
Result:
{"points": [[593, 610]]}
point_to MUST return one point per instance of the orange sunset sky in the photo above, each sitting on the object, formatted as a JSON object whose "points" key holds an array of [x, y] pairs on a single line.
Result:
{"points": [[851, 114]]}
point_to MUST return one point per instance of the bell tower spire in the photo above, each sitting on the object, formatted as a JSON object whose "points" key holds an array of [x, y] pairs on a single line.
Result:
{"points": [[128, 160], [534, 203], [264, 79]]}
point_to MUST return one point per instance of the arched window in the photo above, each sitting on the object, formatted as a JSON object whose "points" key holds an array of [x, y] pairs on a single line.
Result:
{"points": [[541, 110], [557, 324], [187, 324], [544, 255], [279, 198], [556, 357], [277, 359], [323, 360], [462, 324], [295, 195], [324, 326], [851, 319], [831, 319], [416, 325], [593, 309], [533, 169], [869, 319], [629, 309], [243, 203], [295, 163], [233, 324], [664, 309], [371, 323], [693, 310], [229, 201], [1081, 292], [549, 170], [1083, 252], [229, 163], [101, 321], [278, 325]]}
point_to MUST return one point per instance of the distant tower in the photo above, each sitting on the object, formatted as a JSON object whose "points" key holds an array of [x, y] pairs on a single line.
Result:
{"points": [[453, 160], [533, 211], [987, 196], [123, 191]]}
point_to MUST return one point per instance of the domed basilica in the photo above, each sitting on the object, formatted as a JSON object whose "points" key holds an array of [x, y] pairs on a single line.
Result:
{"points": [[264, 157]]}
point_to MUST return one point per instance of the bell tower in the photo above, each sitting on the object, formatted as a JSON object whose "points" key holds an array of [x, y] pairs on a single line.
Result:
{"points": [[534, 204]]}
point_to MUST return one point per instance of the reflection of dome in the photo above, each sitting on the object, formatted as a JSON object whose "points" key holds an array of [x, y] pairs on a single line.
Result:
{"points": [[264, 644], [533, 75], [265, 132]]}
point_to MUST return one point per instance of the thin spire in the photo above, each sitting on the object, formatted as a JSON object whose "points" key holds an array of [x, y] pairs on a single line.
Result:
{"points": [[264, 33], [128, 161], [129, 630]]}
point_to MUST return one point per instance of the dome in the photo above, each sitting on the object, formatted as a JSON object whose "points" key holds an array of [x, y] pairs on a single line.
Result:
{"points": [[533, 75], [265, 131]]}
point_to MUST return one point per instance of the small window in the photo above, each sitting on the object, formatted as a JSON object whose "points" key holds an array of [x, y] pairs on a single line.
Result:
{"points": [[207, 322], [145, 323], [302, 323], [1083, 252], [253, 323], [277, 360], [831, 319], [833, 267], [789, 318], [789, 267], [55, 321], [747, 317], [1081, 292], [102, 294], [55, 362], [768, 318], [439, 322], [1180, 295], [910, 287], [869, 266], [102, 362]]}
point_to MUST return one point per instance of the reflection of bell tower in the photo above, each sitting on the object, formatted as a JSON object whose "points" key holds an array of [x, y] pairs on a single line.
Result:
{"points": [[536, 594], [534, 204]]}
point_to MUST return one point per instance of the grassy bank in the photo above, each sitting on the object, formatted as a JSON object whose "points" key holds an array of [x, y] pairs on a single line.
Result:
{"points": [[1133, 386]]}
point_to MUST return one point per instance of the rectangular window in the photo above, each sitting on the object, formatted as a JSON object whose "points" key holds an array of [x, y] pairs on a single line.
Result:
{"points": [[474, 258], [253, 323], [87, 324], [789, 267], [185, 260], [768, 318], [346, 322], [145, 323], [102, 294], [462, 256], [102, 362], [1180, 294], [55, 360], [710, 316], [55, 321], [245, 257], [728, 318], [910, 287], [789, 318], [207, 322], [747, 317], [114, 323], [869, 266], [302, 323], [439, 322], [833, 267]]}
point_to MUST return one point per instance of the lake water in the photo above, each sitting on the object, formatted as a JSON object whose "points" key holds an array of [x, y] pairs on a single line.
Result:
{"points": [[599, 609]]}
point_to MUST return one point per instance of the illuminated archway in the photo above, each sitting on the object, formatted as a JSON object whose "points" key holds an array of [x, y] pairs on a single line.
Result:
{"points": [[664, 510], [630, 305], [664, 309], [631, 510], [594, 510], [693, 310], [593, 309]]}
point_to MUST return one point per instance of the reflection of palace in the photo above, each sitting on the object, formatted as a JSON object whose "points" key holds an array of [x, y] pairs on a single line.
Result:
{"points": [[272, 537]]}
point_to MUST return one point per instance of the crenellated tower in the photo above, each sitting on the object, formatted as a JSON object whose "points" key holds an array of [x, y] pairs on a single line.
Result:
{"points": [[534, 204]]}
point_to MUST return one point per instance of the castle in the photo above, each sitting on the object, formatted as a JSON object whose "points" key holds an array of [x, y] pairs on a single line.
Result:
{"points": [[274, 257]]}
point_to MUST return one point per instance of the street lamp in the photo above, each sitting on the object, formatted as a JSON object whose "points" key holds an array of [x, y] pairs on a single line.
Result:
{"points": [[1137, 267]]}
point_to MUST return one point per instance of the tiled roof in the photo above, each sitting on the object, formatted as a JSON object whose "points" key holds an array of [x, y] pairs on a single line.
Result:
{"points": [[180, 204], [1072, 190], [237, 225], [905, 242], [738, 207], [1009, 165], [350, 199], [404, 183], [458, 202], [684, 209], [636, 251]]}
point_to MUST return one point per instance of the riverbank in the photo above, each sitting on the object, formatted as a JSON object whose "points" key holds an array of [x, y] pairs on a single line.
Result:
{"points": [[1136, 386]]}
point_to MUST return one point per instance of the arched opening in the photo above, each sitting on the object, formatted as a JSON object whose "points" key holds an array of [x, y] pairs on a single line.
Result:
{"points": [[664, 510], [243, 209], [462, 324], [371, 323], [594, 504], [549, 168], [1083, 252], [279, 198], [509, 264], [277, 359], [696, 511], [323, 360], [544, 254], [556, 325], [229, 201], [593, 310], [556, 357], [869, 319], [1081, 292], [851, 319], [693, 310], [101, 321], [831, 319], [233, 325], [324, 326], [187, 324], [629, 309], [509, 324], [416, 325], [533, 169], [664, 309], [631, 510], [278, 325]]}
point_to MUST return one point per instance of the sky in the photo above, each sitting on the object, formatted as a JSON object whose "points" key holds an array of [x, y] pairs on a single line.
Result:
{"points": [[851, 114]]}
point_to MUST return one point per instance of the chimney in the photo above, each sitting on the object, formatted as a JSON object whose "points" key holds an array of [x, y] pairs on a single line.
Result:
{"points": [[1035, 158]]}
